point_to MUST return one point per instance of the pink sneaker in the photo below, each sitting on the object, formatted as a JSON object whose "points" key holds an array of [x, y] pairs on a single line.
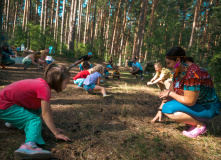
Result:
{"points": [[191, 128], [32, 152], [195, 132]]}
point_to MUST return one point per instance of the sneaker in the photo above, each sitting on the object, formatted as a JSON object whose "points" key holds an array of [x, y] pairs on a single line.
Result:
{"points": [[135, 78], [32, 152], [194, 132], [9, 125], [3, 67], [108, 96], [190, 129], [141, 79], [78, 87]]}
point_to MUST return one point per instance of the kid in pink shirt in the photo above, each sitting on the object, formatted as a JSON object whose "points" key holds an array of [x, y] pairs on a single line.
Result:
{"points": [[23, 101]]}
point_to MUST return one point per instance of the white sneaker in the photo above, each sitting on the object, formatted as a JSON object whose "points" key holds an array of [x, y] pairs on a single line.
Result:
{"points": [[9, 125]]}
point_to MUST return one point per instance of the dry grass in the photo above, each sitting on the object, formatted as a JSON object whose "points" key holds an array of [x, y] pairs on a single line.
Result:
{"points": [[117, 128]]}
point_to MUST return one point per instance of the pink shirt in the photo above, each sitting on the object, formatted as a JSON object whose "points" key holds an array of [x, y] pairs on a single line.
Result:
{"points": [[82, 74], [26, 93]]}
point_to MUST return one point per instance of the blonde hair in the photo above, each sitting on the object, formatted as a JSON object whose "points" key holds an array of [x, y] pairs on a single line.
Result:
{"points": [[98, 68], [158, 64]]}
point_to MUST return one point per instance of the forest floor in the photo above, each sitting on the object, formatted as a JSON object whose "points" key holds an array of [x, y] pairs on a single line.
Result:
{"points": [[114, 128]]}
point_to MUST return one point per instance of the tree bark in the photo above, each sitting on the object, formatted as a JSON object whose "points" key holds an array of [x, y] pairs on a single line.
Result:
{"points": [[86, 22], [62, 26], [196, 15], [42, 14], [122, 32], [71, 35], [79, 23], [16, 8], [115, 29], [45, 16], [56, 21]]}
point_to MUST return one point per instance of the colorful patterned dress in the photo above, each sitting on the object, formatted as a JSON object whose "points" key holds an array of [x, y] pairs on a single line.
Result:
{"points": [[197, 79]]}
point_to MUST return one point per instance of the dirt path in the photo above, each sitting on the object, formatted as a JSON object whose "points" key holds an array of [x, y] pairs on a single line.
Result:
{"points": [[115, 128]]}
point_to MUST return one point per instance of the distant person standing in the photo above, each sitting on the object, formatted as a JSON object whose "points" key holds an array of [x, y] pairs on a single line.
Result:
{"points": [[81, 59], [110, 62], [6, 54], [136, 69], [163, 77]]}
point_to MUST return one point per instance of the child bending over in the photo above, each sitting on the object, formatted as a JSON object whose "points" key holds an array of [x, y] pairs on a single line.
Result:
{"points": [[92, 81], [22, 102], [80, 77], [106, 71]]}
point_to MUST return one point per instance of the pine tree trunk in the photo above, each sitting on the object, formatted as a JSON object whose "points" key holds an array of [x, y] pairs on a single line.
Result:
{"points": [[16, 8], [107, 30], [36, 12], [24, 16], [62, 27], [56, 21], [7, 18], [196, 15], [79, 22], [52, 16], [183, 27], [66, 27], [45, 15], [1, 16], [71, 35], [115, 29], [86, 22], [95, 11], [122, 33], [42, 14], [141, 29]]}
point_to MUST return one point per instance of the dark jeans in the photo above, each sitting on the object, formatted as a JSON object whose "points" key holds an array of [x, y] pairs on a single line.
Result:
{"points": [[8, 62], [140, 72]]}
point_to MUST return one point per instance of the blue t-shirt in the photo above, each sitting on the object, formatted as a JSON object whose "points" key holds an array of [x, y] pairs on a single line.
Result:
{"points": [[92, 78], [137, 65]]}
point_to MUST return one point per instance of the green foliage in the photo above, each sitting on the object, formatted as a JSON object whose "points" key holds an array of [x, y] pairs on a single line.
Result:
{"points": [[37, 40]]}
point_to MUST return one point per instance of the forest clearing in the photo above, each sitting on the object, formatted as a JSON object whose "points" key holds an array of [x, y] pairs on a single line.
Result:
{"points": [[116, 128], [168, 54]]}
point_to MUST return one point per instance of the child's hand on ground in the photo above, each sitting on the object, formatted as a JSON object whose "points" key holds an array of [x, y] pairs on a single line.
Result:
{"points": [[63, 137]]}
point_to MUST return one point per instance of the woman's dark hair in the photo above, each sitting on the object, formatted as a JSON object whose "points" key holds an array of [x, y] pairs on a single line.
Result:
{"points": [[178, 52], [135, 58], [54, 75]]}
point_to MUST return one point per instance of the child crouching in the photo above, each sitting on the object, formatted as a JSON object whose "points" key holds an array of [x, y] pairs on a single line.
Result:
{"points": [[80, 77], [92, 81], [22, 102], [116, 72]]}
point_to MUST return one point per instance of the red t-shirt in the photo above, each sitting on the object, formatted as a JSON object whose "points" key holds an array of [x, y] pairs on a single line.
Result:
{"points": [[26, 93], [82, 74]]}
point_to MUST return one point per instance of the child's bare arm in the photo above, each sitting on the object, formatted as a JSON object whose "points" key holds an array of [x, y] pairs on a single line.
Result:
{"points": [[47, 117]]}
